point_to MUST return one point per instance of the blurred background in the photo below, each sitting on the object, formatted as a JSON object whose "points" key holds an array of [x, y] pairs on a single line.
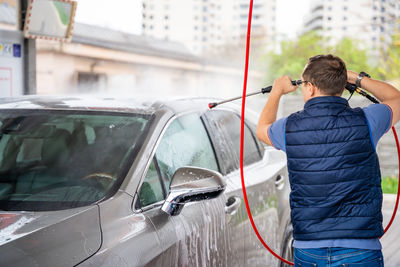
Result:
{"points": [[196, 47], [183, 48]]}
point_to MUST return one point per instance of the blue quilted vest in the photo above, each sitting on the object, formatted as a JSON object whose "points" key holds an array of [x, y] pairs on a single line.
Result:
{"points": [[334, 172]]}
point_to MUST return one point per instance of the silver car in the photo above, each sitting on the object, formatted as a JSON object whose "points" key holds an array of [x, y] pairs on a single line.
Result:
{"points": [[107, 182]]}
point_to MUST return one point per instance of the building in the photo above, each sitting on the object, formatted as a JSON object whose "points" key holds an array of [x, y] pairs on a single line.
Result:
{"points": [[205, 25], [372, 22], [100, 60]]}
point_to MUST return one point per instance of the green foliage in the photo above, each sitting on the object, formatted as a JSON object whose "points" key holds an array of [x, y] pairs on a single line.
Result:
{"points": [[295, 53], [390, 185], [389, 67], [293, 56], [355, 58]]}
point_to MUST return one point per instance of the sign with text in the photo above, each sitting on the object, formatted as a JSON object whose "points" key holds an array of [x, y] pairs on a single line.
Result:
{"points": [[11, 63]]}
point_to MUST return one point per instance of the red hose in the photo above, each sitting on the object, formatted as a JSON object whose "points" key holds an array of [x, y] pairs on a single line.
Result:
{"points": [[398, 186], [242, 138], [242, 148]]}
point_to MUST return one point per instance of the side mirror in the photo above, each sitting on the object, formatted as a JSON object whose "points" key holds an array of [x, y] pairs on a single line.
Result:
{"points": [[191, 184]]}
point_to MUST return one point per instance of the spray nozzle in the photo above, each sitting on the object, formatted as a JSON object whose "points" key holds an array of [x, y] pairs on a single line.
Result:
{"points": [[212, 105]]}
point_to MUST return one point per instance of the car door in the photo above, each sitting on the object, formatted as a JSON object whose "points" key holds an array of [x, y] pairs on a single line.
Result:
{"points": [[198, 236], [261, 186]]}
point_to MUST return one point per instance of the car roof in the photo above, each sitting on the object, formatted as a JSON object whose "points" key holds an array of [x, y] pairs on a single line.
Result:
{"points": [[102, 103], [140, 104]]}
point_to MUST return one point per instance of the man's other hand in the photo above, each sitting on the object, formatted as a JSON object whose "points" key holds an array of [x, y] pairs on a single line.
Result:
{"points": [[283, 85]]}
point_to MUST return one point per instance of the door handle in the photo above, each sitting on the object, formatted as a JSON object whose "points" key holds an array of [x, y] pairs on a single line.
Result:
{"points": [[279, 182], [232, 205]]}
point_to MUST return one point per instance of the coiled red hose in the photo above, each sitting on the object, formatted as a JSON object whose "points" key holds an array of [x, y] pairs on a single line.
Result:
{"points": [[242, 148]]}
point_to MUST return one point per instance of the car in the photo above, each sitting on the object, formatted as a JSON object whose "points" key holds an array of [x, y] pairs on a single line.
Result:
{"points": [[136, 182]]}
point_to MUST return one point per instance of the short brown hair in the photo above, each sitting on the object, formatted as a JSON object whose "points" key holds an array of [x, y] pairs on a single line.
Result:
{"points": [[327, 72]]}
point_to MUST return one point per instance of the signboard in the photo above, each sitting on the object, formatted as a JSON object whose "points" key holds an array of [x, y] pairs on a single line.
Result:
{"points": [[11, 63], [50, 19]]}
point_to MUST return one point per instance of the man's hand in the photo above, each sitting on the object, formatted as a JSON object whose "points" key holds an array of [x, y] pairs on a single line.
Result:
{"points": [[283, 85], [352, 76], [383, 91]]}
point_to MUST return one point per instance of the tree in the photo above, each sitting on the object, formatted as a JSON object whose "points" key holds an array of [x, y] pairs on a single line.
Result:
{"points": [[294, 54], [389, 67]]}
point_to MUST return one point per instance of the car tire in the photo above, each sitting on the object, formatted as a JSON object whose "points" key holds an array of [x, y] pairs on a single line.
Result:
{"points": [[287, 251]]}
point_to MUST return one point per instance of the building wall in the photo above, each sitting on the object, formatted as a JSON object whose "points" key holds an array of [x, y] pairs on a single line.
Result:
{"points": [[82, 69], [208, 25], [372, 22]]}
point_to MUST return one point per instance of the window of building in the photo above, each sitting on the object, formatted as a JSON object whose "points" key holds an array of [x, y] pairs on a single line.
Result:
{"points": [[166, 17], [382, 29], [344, 28], [329, 8], [90, 82], [383, 9], [329, 18], [345, 8], [166, 27], [344, 18]]}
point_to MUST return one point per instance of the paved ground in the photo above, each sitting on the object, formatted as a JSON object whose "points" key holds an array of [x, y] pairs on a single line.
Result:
{"points": [[391, 240]]}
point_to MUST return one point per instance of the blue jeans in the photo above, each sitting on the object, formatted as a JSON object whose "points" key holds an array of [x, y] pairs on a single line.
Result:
{"points": [[332, 257]]}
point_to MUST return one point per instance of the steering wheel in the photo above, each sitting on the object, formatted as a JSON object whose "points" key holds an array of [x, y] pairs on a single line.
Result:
{"points": [[103, 178]]}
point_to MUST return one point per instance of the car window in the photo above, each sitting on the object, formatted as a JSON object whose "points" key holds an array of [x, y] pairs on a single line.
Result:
{"points": [[52, 159], [185, 143], [260, 145], [151, 190], [226, 125]]}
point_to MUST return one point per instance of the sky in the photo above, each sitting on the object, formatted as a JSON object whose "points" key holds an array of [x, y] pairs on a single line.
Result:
{"points": [[125, 15]]}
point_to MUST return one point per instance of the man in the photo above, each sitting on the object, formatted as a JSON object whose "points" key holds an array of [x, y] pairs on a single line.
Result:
{"points": [[334, 173]]}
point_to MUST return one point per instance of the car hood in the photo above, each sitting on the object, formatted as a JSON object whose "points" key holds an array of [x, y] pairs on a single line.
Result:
{"points": [[56, 238]]}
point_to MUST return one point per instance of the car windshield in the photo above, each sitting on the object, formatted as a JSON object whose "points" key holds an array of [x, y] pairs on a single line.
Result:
{"points": [[52, 160]]}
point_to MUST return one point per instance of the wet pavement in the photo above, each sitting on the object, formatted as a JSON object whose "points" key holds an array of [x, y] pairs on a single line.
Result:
{"points": [[390, 241]]}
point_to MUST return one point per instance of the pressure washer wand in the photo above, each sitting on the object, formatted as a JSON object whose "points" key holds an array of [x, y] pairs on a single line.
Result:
{"points": [[262, 91]]}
